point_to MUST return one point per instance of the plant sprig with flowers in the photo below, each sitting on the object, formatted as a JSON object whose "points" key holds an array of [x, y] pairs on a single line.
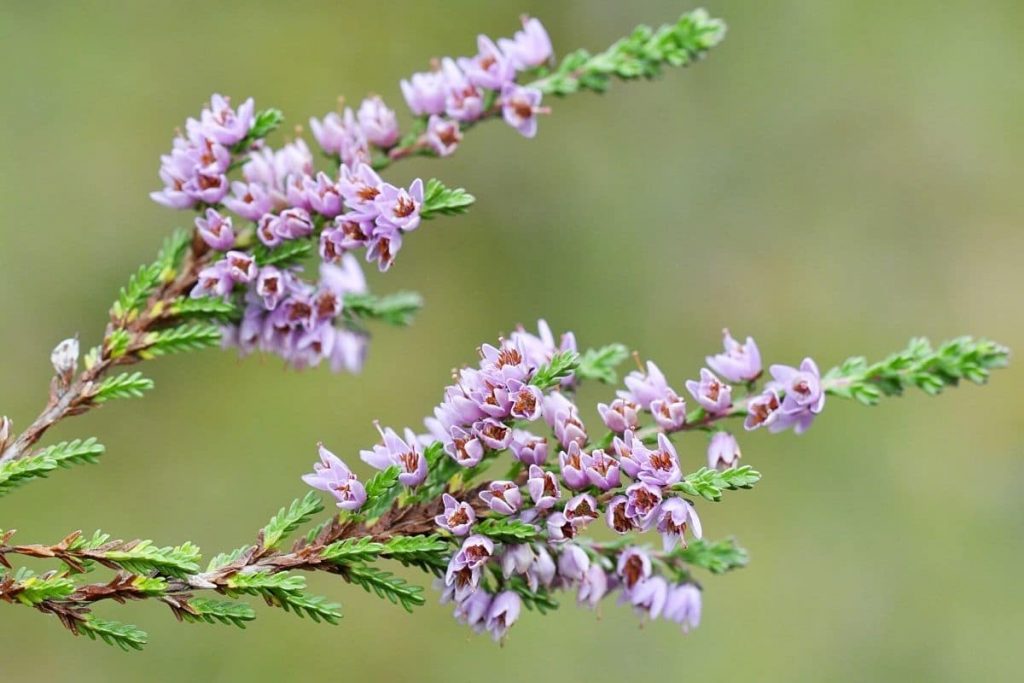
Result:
{"points": [[497, 497]]}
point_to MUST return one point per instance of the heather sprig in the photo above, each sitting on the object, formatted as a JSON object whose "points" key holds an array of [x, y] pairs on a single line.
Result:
{"points": [[496, 546]]}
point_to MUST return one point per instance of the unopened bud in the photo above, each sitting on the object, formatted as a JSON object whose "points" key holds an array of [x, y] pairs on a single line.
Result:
{"points": [[5, 431], [65, 359]]}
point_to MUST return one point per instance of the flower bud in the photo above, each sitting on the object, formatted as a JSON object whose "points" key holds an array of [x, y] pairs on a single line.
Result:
{"points": [[65, 359], [6, 427]]}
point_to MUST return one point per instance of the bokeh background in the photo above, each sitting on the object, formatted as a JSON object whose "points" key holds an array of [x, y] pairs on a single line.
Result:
{"points": [[836, 178]]}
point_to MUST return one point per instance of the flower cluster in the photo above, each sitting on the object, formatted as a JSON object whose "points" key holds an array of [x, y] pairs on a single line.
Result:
{"points": [[631, 479]]}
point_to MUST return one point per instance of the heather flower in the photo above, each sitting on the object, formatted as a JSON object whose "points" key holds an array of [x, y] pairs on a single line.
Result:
{"points": [[571, 464], [526, 401], [395, 451], [516, 559], [642, 501], [649, 596], [215, 230], [475, 551], [581, 510], [443, 135], [293, 224], [633, 567], [503, 497], [249, 200], [425, 93], [213, 280], [763, 410], [341, 135], [618, 520], [573, 562], [674, 517], [560, 528], [529, 47], [322, 195], [384, 247], [493, 434], [462, 577], [463, 100], [458, 516], [503, 612], [601, 469], [543, 488], [64, 359], [661, 467], [643, 388], [631, 452], [723, 451], [398, 207], [593, 586], [670, 412], [360, 189], [527, 448], [208, 188], [739, 362], [240, 266], [683, 606], [620, 415], [542, 571], [225, 125], [713, 396], [490, 68], [472, 611], [464, 447], [803, 396], [520, 106], [378, 122], [334, 476], [562, 416], [540, 348]]}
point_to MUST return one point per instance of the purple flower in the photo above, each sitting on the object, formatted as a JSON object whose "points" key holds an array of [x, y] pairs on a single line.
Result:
{"points": [[633, 567], [250, 200], [384, 247], [475, 551], [520, 106], [213, 280], [503, 612], [649, 596], [208, 188], [425, 93], [400, 208], [571, 464], [540, 348], [341, 135], [527, 448], [406, 454], [661, 468], [333, 476], [763, 410], [714, 396], [529, 47], [516, 559], [461, 577], [673, 518], [216, 230], [643, 388], [562, 416], [542, 571], [322, 195], [270, 286], [620, 415], [360, 189], [803, 398], [559, 528], [223, 124], [593, 586], [490, 68], [526, 400], [493, 433], [581, 510], [573, 562], [458, 517], [669, 412], [443, 135], [739, 362], [463, 100], [379, 123], [631, 452], [464, 447], [601, 469], [294, 224], [618, 520], [683, 606], [642, 501], [472, 610], [723, 451], [503, 497], [543, 487]]}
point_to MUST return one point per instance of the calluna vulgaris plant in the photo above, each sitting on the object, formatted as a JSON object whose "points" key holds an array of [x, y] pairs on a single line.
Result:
{"points": [[497, 533]]}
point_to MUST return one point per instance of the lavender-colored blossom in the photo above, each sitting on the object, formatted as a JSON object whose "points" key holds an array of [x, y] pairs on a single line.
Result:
{"points": [[462, 577], [520, 106], [723, 451], [674, 517], [503, 497], [581, 510], [527, 448], [493, 433], [540, 348], [425, 93], [208, 188], [490, 68], [593, 586], [542, 571], [341, 135], [472, 610], [458, 516], [633, 567], [360, 188], [214, 280], [215, 230], [384, 246], [712, 394], [763, 410], [526, 401], [563, 417], [642, 388], [464, 447], [642, 501], [559, 528], [400, 208], [241, 267], [249, 200], [669, 412], [803, 398], [543, 488], [573, 562], [503, 612], [649, 596], [393, 450], [333, 476], [475, 551], [739, 362], [463, 100], [516, 559], [225, 125], [529, 47], [443, 135], [661, 467], [322, 195], [618, 520], [571, 464], [379, 123], [631, 452], [601, 469], [620, 415], [683, 606]]}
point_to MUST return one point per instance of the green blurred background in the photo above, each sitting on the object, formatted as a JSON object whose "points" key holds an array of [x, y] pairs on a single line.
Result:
{"points": [[836, 178]]}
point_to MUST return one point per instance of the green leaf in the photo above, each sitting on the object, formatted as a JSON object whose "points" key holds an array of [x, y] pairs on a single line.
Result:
{"points": [[717, 557], [600, 364], [222, 560], [352, 550], [539, 600], [315, 607], [507, 530], [381, 490], [386, 585], [260, 582], [172, 253], [291, 518], [15, 473], [561, 365], [74, 452], [125, 636], [125, 385], [32, 590], [179, 339], [709, 483], [140, 557], [133, 295], [441, 200], [285, 254], [397, 309], [207, 307], [213, 611]]}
